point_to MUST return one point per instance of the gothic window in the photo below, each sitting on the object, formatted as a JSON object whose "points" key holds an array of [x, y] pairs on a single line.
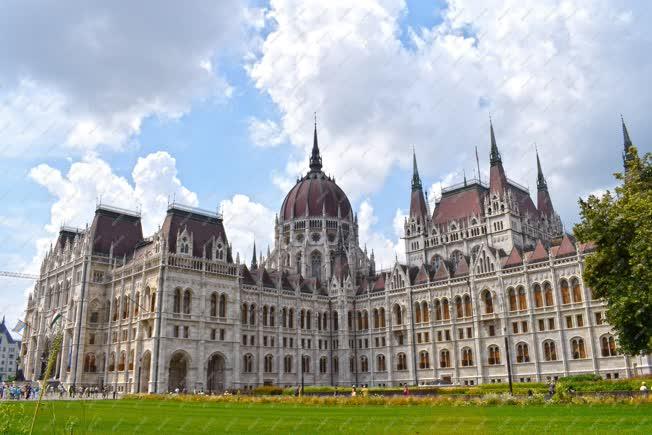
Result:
{"points": [[577, 291], [467, 357], [336, 322], [252, 315], [315, 261], [488, 302], [446, 313], [522, 299], [444, 358], [380, 363], [291, 318], [219, 253], [608, 345], [298, 263], [512, 299], [323, 364], [417, 312], [222, 306], [425, 315], [112, 362], [494, 355], [244, 313], [522, 353], [136, 303], [398, 315], [272, 319], [365, 320], [565, 292], [424, 359], [213, 311], [176, 306], [459, 308], [578, 351], [381, 315], [549, 351], [187, 300], [248, 363], [185, 245], [284, 317], [538, 296], [401, 361], [89, 363], [375, 318], [287, 364], [547, 290], [364, 364], [122, 361], [437, 309], [305, 364], [269, 359], [265, 313], [468, 310]]}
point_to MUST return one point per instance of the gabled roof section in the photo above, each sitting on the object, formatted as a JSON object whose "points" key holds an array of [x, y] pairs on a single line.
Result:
{"points": [[412, 273], [422, 277], [379, 284], [459, 203], [67, 236], [203, 224], [285, 282], [539, 254], [515, 258], [120, 228], [442, 272], [587, 247], [246, 276], [567, 248], [462, 267]]}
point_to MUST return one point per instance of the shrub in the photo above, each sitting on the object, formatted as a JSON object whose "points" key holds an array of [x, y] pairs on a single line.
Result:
{"points": [[268, 390]]}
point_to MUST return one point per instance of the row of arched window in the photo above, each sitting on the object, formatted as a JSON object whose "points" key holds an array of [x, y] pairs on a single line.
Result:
{"points": [[287, 317], [122, 305], [57, 296]]}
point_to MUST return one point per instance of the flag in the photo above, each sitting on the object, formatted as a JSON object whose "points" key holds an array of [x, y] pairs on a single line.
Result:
{"points": [[55, 317], [20, 325]]}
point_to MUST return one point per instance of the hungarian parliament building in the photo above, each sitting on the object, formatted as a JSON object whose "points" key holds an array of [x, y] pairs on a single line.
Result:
{"points": [[492, 286]]}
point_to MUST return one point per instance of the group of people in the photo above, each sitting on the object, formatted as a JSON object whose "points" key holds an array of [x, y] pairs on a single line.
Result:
{"points": [[14, 391], [28, 391]]}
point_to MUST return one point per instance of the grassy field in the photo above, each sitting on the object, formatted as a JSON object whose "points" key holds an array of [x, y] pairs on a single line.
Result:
{"points": [[163, 417]]}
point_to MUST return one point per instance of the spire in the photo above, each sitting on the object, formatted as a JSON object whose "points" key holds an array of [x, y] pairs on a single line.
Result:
{"points": [[416, 180], [494, 157], [254, 262], [627, 143], [340, 242], [541, 180], [315, 157]]}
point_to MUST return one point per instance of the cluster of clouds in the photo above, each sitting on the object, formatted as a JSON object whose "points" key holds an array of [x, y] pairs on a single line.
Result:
{"points": [[83, 78]]}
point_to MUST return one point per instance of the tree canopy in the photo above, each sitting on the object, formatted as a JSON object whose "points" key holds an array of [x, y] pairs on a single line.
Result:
{"points": [[620, 269]]}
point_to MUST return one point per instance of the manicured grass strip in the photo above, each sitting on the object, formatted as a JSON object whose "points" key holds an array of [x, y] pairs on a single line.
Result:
{"points": [[159, 417]]}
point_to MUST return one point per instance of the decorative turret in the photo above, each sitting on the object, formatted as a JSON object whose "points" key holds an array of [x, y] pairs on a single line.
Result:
{"points": [[497, 178], [544, 203], [315, 157], [254, 261], [627, 145]]}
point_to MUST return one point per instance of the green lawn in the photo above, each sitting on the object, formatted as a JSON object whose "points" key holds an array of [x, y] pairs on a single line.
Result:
{"points": [[163, 417]]}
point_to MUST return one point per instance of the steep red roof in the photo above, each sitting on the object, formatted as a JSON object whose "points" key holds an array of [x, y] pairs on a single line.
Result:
{"points": [[524, 200], [566, 248], [462, 267], [459, 203], [379, 285], [246, 276], [118, 227], [442, 272], [514, 259], [418, 204], [497, 179], [587, 247], [544, 203], [422, 275], [539, 254], [203, 226]]}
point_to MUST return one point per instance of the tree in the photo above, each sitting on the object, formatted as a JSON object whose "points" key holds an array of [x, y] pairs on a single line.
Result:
{"points": [[620, 269]]}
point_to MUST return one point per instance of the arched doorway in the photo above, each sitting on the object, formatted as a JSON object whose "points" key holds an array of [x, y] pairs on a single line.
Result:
{"points": [[145, 366], [215, 374], [178, 370]]}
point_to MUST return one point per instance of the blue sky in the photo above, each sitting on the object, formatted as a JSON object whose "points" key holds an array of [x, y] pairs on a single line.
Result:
{"points": [[213, 104]]}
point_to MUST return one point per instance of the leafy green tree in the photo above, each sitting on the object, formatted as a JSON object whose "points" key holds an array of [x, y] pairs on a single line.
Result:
{"points": [[620, 269]]}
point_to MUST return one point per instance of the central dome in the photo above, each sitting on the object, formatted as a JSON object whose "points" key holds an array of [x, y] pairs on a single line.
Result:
{"points": [[315, 194]]}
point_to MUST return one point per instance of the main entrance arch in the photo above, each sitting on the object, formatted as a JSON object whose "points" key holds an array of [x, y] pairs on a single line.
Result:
{"points": [[178, 371], [215, 374], [145, 366]]}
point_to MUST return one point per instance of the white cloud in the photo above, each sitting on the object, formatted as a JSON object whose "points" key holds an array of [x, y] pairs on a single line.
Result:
{"points": [[265, 134], [246, 221], [554, 73], [88, 74], [385, 249]]}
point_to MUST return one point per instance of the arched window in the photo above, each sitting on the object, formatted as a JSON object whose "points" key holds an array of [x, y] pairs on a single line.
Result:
{"points": [[146, 298], [467, 357], [446, 312], [89, 363], [578, 351], [272, 318], [365, 320], [187, 301], [468, 309], [444, 358], [549, 351], [305, 363], [352, 364], [488, 302], [315, 262], [538, 296], [152, 307], [269, 363], [459, 308], [131, 359], [214, 304], [425, 313], [287, 364], [547, 290], [512, 299], [302, 319], [125, 306], [244, 313], [122, 361], [424, 359], [608, 345], [222, 308], [364, 364], [375, 317], [136, 303], [401, 361], [398, 315], [284, 317], [252, 314], [336, 321], [494, 355], [265, 312], [308, 319], [323, 364], [291, 318], [248, 363], [565, 292], [380, 363], [522, 353], [336, 365], [522, 299], [417, 312], [381, 315], [577, 291], [176, 306], [437, 309], [112, 362]]}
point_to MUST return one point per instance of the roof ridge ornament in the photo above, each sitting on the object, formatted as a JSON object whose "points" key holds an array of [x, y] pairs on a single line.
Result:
{"points": [[315, 157], [494, 157]]}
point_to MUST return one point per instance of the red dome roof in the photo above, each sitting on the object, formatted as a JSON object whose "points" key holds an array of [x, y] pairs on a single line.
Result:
{"points": [[314, 194]]}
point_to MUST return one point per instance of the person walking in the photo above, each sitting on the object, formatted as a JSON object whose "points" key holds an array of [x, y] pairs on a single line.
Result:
{"points": [[644, 391]]}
